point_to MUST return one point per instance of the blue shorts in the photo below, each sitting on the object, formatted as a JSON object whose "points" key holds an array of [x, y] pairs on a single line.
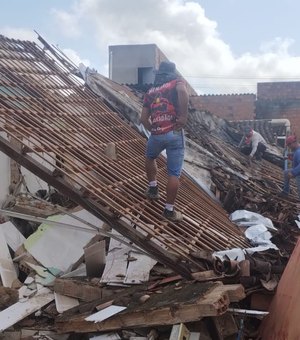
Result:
{"points": [[173, 143]]}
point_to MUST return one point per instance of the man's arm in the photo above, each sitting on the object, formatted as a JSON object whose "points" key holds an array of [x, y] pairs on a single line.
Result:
{"points": [[183, 100], [254, 148], [254, 145], [145, 118]]}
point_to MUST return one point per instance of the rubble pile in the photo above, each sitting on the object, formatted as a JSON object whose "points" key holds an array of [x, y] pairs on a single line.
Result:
{"points": [[91, 258], [66, 277]]}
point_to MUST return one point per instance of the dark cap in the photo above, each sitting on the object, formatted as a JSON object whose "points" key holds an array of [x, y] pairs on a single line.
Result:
{"points": [[166, 67]]}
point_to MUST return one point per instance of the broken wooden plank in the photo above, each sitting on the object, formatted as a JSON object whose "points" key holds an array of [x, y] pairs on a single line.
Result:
{"points": [[190, 303], [236, 292], [43, 211], [119, 296], [85, 291], [207, 275], [15, 173]]}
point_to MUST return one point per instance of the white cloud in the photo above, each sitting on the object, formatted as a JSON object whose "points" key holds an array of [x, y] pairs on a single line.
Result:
{"points": [[75, 58], [68, 23], [185, 34], [278, 46]]}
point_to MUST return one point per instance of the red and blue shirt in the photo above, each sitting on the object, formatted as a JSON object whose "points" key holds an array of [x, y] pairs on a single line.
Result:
{"points": [[162, 102]]}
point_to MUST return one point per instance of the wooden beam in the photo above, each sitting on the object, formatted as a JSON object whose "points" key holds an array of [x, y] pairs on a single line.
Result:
{"points": [[95, 208], [210, 305], [15, 175], [213, 303], [80, 289], [236, 292]]}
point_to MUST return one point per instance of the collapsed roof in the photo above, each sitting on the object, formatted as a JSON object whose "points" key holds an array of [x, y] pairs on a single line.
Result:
{"points": [[85, 140], [56, 127], [213, 158]]}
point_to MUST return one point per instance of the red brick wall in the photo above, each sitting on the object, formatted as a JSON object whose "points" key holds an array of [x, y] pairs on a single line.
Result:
{"points": [[230, 107], [280, 100]]}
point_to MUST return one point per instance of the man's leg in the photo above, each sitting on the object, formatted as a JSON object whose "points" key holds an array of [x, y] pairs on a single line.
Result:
{"points": [[172, 189], [175, 155], [153, 150], [151, 169], [152, 191]]}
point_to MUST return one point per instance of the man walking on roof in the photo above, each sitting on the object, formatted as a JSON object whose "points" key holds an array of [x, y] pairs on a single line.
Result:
{"points": [[164, 114], [294, 172], [253, 144]]}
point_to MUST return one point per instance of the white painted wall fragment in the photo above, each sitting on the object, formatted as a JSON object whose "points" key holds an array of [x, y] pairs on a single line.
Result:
{"points": [[59, 247]]}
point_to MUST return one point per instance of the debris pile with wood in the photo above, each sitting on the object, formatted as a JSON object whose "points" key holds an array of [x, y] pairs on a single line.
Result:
{"points": [[91, 256]]}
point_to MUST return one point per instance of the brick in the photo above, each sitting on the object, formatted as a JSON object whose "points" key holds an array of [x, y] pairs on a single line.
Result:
{"points": [[230, 107]]}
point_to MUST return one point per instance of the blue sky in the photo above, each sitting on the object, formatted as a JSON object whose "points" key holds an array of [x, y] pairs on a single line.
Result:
{"points": [[223, 46], [246, 25]]}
